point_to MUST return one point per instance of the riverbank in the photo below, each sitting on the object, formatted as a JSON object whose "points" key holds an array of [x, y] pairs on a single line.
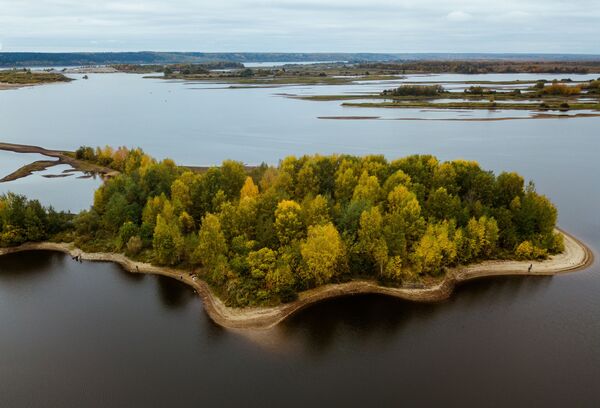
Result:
{"points": [[576, 256]]}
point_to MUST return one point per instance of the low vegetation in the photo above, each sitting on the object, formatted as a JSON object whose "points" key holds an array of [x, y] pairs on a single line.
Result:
{"points": [[486, 66], [27, 77], [415, 90], [259, 236], [178, 69]]}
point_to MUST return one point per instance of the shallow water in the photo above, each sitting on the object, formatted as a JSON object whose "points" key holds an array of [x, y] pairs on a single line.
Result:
{"points": [[92, 335]]}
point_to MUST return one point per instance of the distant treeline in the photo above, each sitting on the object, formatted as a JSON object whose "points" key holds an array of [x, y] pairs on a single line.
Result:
{"points": [[28, 59], [186, 69], [489, 66]]}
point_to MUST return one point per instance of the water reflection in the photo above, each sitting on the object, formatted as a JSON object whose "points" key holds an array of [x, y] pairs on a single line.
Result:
{"points": [[17, 267], [173, 294], [378, 319]]}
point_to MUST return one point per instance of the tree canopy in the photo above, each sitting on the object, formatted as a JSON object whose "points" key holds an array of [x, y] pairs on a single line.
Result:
{"points": [[260, 235]]}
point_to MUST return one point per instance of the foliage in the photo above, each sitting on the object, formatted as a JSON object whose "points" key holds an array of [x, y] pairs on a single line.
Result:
{"points": [[260, 235], [558, 89], [26, 76], [23, 220], [415, 90]]}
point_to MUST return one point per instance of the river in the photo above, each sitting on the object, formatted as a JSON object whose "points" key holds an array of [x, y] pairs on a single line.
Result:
{"points": [[93, 335]]}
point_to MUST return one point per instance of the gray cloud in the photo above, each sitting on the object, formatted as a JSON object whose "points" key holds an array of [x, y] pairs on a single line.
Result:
{"points": [[301, 25]]}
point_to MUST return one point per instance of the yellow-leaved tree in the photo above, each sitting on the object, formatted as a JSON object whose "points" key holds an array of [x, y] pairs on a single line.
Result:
{"points": [[323, 253]]}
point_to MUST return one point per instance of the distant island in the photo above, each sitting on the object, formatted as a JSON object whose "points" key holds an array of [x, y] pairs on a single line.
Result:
{"points": [[260, 236], [15, 78]]}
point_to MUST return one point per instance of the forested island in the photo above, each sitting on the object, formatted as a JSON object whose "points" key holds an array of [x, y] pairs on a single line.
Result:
{"points": [[259, 236]]}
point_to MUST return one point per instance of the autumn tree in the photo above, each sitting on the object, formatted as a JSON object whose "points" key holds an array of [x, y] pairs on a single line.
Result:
{"points": [[212, 247], [323, 253], [288, 222]]}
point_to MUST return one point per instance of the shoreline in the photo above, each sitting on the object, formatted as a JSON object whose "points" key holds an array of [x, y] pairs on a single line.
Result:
{"points": [[40, 165], [577, 256]]}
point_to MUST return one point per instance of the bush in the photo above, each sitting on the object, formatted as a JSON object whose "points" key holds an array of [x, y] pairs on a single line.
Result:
{"points": [[134, 245], [527, 251], [415, 90], [557, 89]]}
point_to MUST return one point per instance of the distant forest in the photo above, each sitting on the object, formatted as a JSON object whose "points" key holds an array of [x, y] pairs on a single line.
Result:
{"points": [[40, 59]]}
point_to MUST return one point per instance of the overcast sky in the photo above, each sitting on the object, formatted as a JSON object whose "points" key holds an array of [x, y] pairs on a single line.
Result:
{"points": [[544, 26]]}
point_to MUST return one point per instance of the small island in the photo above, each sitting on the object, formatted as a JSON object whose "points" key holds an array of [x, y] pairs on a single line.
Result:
{"points": [[17, 78], [259, 243]]}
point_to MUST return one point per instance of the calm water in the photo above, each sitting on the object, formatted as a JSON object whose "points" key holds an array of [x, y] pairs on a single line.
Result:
{"points": [[92, 335]]}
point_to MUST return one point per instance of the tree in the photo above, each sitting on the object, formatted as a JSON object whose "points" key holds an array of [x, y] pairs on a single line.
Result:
{"points": [[167, 242], [399, 178], [508, 187], [127, 230], [435, 250], [345, 182], [403, 224], [233, 178], [280, 281], [371, 241], [316, 211], [307, 181], [323, 253], [367, 188], [180, 193], [187, 223], [212, 247], [249, 189], [262, 262], [288, 222]]}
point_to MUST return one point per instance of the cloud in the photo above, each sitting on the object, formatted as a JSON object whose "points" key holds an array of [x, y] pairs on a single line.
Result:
{"points": [[458, 16], [301, 25]]}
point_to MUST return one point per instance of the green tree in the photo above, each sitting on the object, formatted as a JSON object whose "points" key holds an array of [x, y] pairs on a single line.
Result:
{"points": [[262, 262], [367, 188], [316, 211], [167, 242], [288, 222], [371, 240], [212, 246]]}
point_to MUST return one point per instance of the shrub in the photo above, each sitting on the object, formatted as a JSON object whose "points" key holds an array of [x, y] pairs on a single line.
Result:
{"points": [[134, 245], [527, 251], [415, 90]]}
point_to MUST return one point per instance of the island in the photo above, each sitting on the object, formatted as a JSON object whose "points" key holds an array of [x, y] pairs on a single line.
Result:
{"points": [[259, 243], [18, 78], [541, 95]]}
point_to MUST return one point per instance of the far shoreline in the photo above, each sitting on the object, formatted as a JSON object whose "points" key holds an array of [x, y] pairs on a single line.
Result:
{"points": [[577, 256]]}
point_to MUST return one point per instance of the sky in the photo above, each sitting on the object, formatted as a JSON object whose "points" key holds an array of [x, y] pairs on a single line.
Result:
{"points": [[512, 26]]}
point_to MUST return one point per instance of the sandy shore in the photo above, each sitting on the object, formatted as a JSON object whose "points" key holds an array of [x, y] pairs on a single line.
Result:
{"points": [[4, 86], [576, 256]]}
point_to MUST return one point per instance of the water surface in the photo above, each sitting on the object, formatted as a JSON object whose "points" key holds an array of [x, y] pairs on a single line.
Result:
{"points": [[92, 335]]}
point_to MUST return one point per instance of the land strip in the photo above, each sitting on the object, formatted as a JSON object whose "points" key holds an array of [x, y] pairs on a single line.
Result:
{"points": [[64, 157]]}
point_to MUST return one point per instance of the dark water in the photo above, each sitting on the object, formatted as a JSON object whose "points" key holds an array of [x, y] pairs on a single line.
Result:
{"points": [[92, 335]]}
